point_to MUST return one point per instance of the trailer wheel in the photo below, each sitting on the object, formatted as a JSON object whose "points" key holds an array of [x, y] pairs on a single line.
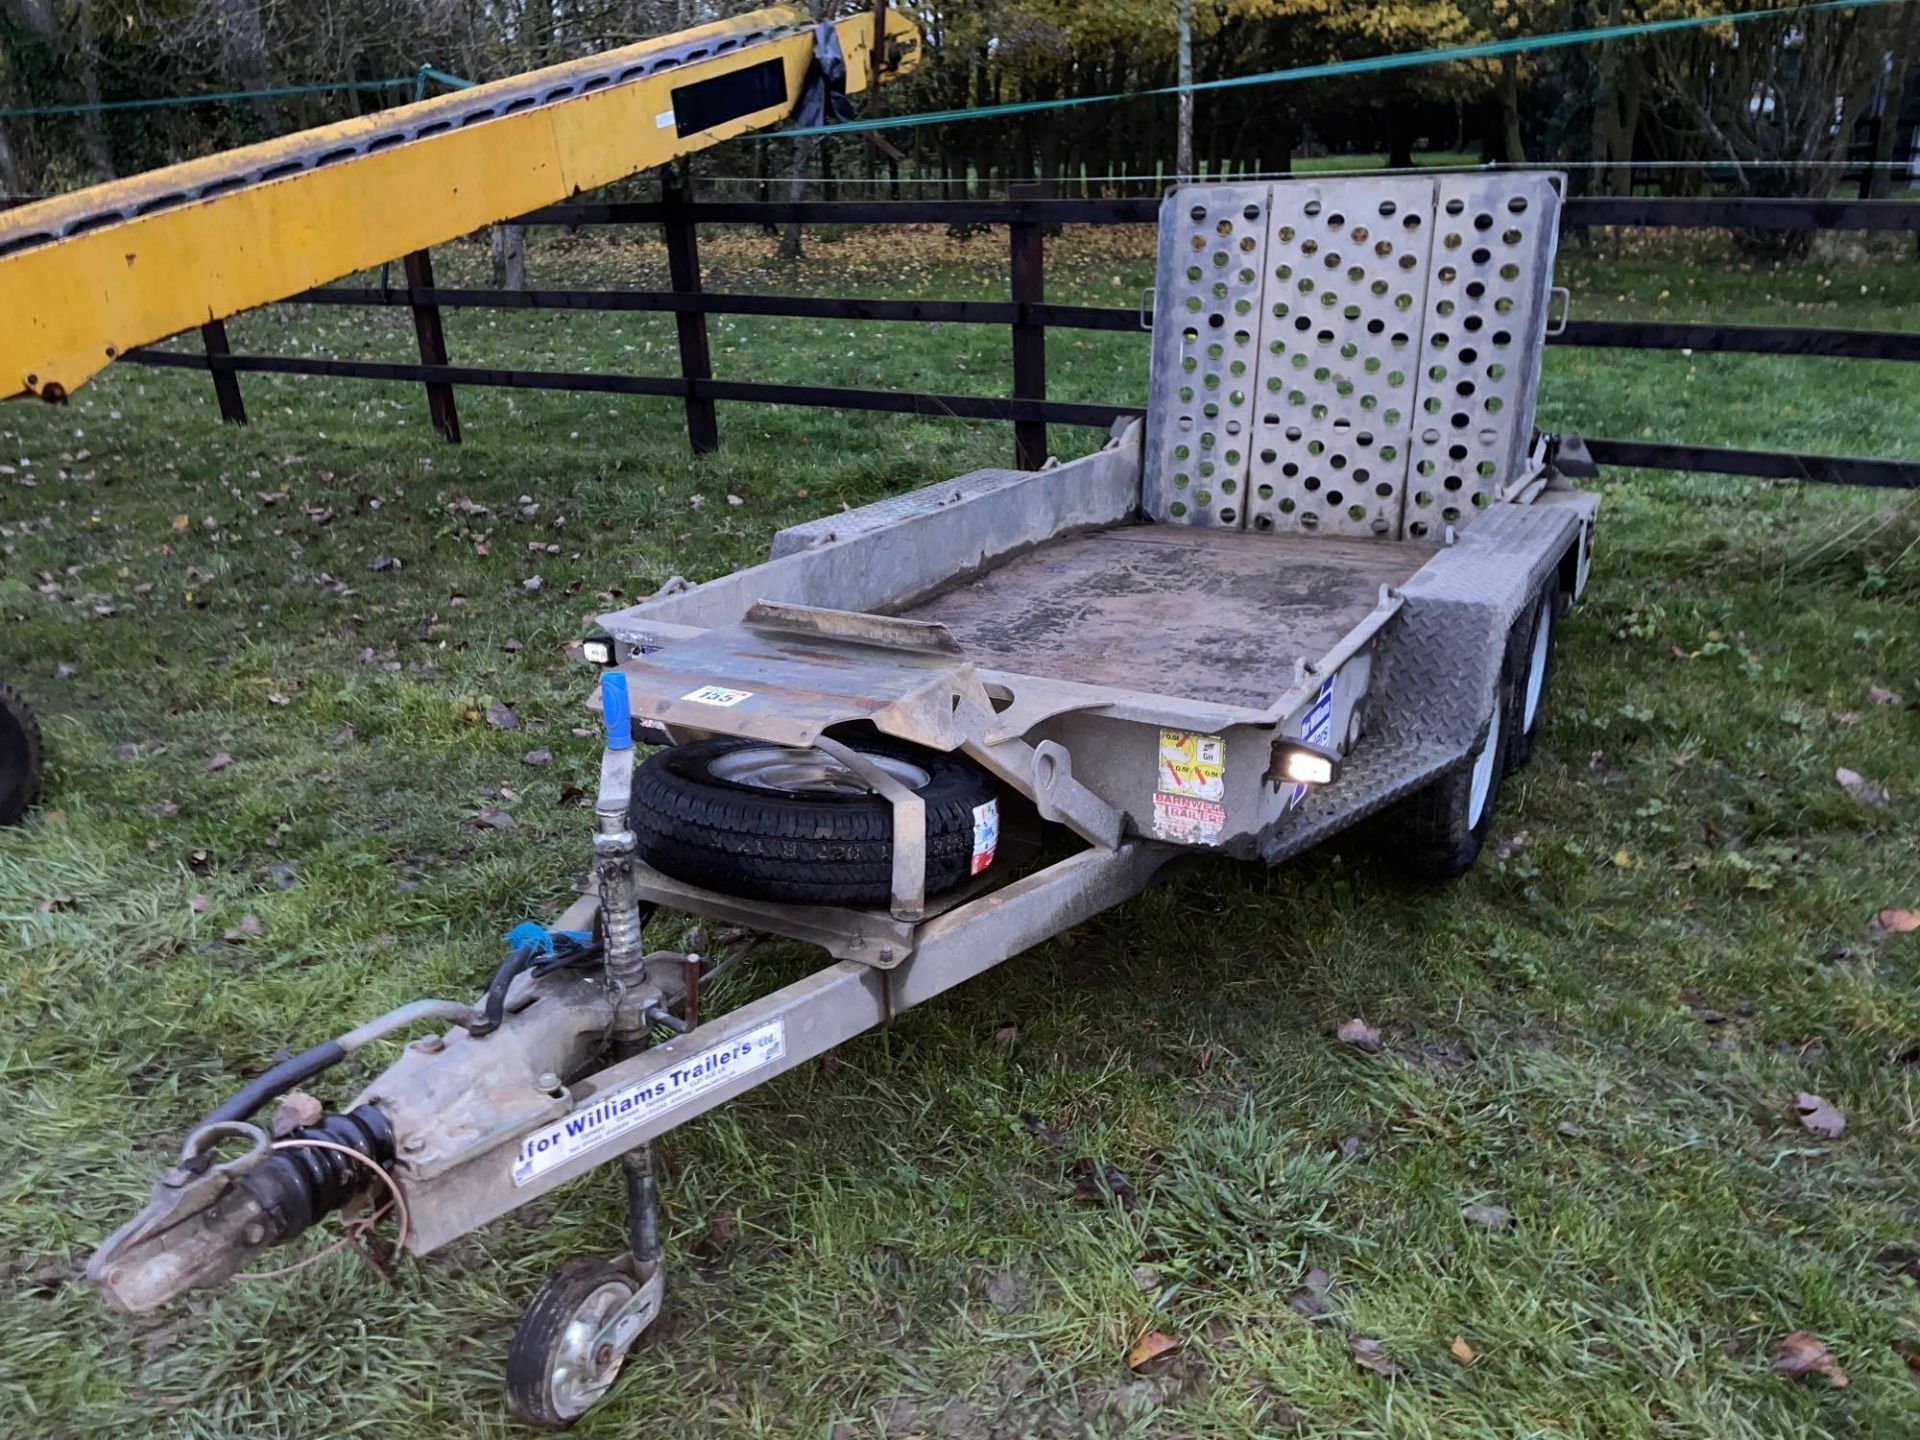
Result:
{"points": [[776, 822], [1530, 664], [1437, 833], [566, 1353], [21, 758]]}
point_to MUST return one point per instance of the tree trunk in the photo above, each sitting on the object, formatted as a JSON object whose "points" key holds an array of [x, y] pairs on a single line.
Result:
{"points": [[509, 257], [1286, 135], [9, 167], [93, 134], [243, 58], [1887, 129], [1183, 141], [1633, 91], [764, 190], [1399, 134], [1606, 91], [804, 154], [1516, 148]]}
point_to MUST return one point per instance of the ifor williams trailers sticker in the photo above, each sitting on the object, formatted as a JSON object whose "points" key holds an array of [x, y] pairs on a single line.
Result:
{"points": [[606, 1117]]}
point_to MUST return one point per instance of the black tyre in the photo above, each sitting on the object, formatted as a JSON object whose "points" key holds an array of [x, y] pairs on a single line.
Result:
{"points": [[22, 760], [771, 822], [1437, 833], [1529, 669], [556, 1371]]}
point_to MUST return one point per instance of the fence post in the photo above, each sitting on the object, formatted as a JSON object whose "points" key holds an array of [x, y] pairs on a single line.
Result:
{"points": [[683, 274], [433, 345], [226, 384], [1029, 282]]}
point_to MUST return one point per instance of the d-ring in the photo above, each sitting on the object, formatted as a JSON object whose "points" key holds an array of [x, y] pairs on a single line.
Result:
{"points": [[200, 1141]]}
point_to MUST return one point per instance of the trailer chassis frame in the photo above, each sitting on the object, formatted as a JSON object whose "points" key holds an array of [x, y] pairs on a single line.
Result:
{"points": [[810, 1016]]}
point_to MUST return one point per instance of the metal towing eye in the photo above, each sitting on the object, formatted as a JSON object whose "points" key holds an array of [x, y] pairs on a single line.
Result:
{"points": [[207, 1218]]}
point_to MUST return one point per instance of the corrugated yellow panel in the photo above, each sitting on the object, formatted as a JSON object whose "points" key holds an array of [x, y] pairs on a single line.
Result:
{"points": [[69, 306]]}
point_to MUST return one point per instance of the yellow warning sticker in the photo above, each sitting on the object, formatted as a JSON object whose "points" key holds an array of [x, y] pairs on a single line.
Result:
{"points": [[1192, 765]]}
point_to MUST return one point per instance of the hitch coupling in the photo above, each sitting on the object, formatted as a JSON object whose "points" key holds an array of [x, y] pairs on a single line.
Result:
{"points": [[207, 1220]]}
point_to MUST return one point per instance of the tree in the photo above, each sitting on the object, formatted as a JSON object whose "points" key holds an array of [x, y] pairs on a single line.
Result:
{"points": [[1776, 103]]}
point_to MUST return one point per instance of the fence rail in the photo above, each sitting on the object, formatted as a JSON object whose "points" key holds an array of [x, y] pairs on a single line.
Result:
{"points": [[1028, 316]]}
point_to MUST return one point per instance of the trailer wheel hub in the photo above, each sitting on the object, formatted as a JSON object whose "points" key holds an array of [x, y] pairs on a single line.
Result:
{"points": [[794, 770]]}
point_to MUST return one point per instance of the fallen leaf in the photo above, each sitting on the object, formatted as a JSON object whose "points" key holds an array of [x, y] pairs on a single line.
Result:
{"points": [[1350, 1147], [276, 698], [57, 902], [1572, 1129], [532, 582], [1861, 788], [159, 809], [180, 522], [501, 717], [1900, 1259], [1898, 920], [1055, 1140], [1151, 1346], [220, 761], [1148, 1278], [1819, 1116], [1368, 1355], [1799, 1355], [1312, 1300], [249, 928], [199, 904], [1357, 1033], [1494, 1217], [385, 562], [719, 1236], [1006, 1033], [1880, 695], [537, 757], [1462, 1351], [1097, 1183], [296, 1109], [492, 817]]}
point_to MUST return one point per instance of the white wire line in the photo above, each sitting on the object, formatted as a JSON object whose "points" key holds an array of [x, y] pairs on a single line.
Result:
{"points": [[1168, 176]]}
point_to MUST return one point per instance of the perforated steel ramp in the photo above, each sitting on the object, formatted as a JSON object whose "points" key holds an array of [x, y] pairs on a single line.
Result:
{"points": [[1351, 356]]}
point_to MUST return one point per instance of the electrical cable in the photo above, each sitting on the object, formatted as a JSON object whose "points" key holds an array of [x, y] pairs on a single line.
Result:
{"points": [[398, 1206]]}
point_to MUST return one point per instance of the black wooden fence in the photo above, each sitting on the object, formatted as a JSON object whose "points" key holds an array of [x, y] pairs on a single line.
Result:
{"points": [[1028, 317]]}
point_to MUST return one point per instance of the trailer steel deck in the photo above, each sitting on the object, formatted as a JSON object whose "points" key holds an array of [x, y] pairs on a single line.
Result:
{"points": [[1223, 616]]}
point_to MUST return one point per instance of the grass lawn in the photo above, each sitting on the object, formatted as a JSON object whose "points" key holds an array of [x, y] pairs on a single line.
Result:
{"points": [[265, 659]]}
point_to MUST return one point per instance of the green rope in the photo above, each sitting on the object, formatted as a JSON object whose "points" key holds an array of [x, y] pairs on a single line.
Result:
{"points": [[1367, 65], [441, 77]]}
